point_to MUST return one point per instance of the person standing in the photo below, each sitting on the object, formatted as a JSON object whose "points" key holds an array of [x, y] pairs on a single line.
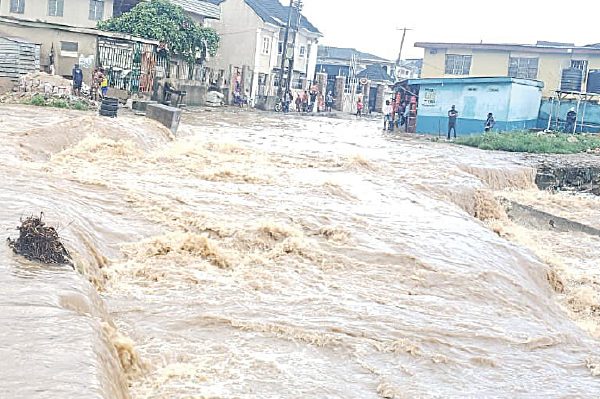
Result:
{"points": [[329, 102], [387, 115], [571, 119], [490, 122], [298, 102], [452, 117], [77, 74], [288, 97], [305, 101], [359, 107], [104, 84], [314, 92]]}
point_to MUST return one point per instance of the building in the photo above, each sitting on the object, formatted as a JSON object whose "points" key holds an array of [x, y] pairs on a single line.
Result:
{"points": [[409, 69], [544, 61], [337, 61], [252, 35], [129, 61], [79, 13], [514, 102]]}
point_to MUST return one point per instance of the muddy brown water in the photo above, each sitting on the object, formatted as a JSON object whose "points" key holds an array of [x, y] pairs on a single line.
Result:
{"points": [[259, 256]]}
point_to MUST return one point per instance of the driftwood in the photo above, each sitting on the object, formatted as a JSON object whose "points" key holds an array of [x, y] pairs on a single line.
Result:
{"points": [[39, 242]]}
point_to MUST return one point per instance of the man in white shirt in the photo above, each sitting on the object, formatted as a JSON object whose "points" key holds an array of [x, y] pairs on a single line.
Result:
{"points": [[387, 115]]}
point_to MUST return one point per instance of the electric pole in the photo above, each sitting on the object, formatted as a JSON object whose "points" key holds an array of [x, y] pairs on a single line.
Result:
{"points": [[404, 30], [284, 52], [298, 6]]}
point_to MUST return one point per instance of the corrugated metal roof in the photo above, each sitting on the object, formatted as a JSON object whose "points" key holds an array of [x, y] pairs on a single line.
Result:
{"points": [[199, 7], [375, 72], [67, 28], [17, 39], [273, 12], [340, 53]]}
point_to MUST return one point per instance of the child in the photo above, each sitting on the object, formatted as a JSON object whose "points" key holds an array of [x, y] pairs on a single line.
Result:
{"points": [[104, 86], [359, 107]]}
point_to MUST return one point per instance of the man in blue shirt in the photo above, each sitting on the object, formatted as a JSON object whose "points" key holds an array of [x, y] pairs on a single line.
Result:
{"points": [[77, 79]]}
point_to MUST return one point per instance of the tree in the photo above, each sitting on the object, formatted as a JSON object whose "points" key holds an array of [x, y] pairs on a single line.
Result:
{"points": [[168, 23]]}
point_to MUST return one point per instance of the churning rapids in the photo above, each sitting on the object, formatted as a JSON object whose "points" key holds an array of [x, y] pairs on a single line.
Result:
{"points": [[257, 256]]}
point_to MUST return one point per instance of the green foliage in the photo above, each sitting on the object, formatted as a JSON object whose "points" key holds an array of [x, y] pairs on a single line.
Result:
{"points": [[80, 106], [166, 22], [58, 103], [538, 143], [38, 100]]}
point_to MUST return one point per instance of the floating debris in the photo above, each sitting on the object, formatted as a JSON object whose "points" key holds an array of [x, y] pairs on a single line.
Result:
{"points": [[39, 242]]}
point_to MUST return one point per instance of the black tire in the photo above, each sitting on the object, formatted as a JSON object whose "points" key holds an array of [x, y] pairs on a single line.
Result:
{"points": [[278, 107], [107, 113], [109, 108], [108, 100]]}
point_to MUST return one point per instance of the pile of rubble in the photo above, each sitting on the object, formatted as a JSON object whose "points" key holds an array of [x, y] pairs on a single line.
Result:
{"points": [[49, 87]]}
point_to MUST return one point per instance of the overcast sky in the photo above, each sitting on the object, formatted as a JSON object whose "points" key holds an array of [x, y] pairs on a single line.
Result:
{"points": [[370, 25]]}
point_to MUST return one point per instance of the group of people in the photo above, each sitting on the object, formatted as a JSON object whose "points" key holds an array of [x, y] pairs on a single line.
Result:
{"points": [[395, 114], [490, 122], [308, 101], [99, 86]]}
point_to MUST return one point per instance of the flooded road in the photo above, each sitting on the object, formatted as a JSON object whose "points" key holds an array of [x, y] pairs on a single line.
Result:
{"points": [[259, 256]]}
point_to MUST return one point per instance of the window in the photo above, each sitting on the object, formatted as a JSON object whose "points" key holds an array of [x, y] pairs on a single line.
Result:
{"points": [[280, 48], [69, 49], [524, 68], [579, 64], [458, 64], [17, 6], [56, 7], [266, 47], [96, 10], [302, 51]]}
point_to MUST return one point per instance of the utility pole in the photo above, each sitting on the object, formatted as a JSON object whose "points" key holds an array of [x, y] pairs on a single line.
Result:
{"points": [[284, 52], [404, 30], [298, 6]]}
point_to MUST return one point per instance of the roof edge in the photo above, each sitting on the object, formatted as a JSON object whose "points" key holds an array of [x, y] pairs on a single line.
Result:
{"points": [[473, 80]]}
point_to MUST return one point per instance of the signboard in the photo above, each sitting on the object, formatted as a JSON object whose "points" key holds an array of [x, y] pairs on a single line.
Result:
{"points": [[429, 98]]}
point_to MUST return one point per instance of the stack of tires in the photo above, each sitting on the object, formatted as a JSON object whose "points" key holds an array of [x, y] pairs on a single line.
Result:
{"points": [[109, 107]]}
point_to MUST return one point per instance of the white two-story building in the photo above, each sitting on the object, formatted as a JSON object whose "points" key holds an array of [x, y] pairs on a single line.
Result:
{"points": [[252, 36]]}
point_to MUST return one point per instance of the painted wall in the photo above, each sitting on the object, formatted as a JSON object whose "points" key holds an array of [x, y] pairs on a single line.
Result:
{"points": [[51, 37], [489, 63], [495, 63], [524, 102], [75, 12], [240, 30], [474, 102]]}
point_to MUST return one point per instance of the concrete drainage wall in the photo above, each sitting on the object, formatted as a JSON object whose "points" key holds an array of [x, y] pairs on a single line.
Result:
{"points": [[580, 178]]}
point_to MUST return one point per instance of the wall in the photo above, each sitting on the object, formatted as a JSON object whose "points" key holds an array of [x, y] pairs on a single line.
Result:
{"points": [[75, 12], [524, 103], [489, 63], [239, 28], [474, 102], [48, 37]]}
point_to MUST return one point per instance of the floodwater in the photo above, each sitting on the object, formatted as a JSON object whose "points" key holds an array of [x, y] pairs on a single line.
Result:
{"points": [[262, 256]]}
